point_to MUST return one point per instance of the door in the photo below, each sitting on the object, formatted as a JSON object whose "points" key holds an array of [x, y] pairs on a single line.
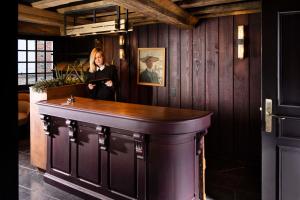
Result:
{"points": [[281, 100]]}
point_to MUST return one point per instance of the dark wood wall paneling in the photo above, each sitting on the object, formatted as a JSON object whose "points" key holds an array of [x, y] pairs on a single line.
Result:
{"points": [[203, 72]]}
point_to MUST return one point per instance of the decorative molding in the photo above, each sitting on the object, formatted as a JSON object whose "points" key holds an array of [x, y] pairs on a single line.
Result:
{"points": [[72, 129], [103, 133], [46, 121], [139, 145]]}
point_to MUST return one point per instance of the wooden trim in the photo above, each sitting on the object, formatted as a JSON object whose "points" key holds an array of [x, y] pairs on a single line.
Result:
{"points": [[51, 3]]}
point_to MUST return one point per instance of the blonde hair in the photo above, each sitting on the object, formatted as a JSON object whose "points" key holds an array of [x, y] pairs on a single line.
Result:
{"points": [[92, 58]]}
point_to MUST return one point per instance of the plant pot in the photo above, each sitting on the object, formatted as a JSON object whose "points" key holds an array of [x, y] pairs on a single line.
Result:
{"points": [[38, 144]]}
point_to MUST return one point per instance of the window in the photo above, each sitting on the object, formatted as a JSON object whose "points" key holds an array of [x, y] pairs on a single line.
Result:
{"points": [[35, 61]]}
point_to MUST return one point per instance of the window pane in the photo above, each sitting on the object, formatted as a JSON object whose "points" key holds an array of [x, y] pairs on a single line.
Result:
{"points": [[21, 44], [49, 56], [21, 68], [40, 45], [21, 55], [31, 67], [40, 56], [31, 44], [22, 79], [40, 68], [49, 76], [31, 79], [49, 45], [40, 77], [49, 67], [31, 56]]}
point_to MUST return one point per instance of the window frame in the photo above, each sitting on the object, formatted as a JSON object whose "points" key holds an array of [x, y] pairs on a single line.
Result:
{"points": [[37, 74]]}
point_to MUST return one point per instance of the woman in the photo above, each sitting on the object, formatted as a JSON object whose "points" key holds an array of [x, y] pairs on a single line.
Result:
{"points": [[101, 78]]}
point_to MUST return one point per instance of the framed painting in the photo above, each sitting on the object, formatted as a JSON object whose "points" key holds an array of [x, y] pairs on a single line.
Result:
{"points": [[151, 66]]}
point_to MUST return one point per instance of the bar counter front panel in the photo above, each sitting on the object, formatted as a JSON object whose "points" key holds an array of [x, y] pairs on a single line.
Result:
{"points": [[111, 150]]}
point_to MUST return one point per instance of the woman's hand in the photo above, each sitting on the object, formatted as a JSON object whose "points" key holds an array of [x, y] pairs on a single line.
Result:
{"points": [[91, 86], [109, 83]]}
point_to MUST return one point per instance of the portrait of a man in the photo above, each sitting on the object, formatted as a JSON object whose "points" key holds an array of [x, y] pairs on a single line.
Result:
{"points": [[149, 75], [151, 66]]}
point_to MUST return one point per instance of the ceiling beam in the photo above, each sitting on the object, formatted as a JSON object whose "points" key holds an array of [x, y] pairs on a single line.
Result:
{"points": [[239, 12], [144, 22], [201, 3], [113, 17], [51, 3], [87, 6], [39, 16], [254, 5], [162, 10], [105, 14], [37, 29]]}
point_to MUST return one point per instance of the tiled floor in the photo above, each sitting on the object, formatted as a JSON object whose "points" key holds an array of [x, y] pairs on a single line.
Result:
{"points": [[227, 180], [224, 181], [31, 182]]}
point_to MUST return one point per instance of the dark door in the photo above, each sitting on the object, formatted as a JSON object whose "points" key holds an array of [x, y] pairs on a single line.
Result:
{"points": [[281, 100]]}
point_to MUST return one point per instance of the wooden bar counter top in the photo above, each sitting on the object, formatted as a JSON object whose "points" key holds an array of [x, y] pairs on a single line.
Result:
{"points": [[113, 150]]}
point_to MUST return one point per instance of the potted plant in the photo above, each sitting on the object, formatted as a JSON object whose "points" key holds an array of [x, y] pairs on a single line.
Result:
{"points": [[63, 77]]}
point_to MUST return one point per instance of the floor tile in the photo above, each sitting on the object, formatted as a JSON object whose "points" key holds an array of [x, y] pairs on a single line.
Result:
{"points": [[31, 181], [224, 181]]}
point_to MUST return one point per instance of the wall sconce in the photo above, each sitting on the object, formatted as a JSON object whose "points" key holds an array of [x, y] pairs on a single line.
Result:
{"points": [[241, 42], [122, 46], [121, 40], [121, 53]]}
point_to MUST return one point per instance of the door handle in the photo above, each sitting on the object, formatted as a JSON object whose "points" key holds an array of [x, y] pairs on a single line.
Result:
{"points": [[268, 115], [279, 117]]}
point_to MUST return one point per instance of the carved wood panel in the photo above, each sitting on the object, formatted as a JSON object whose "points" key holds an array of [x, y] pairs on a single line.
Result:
{"points": [[60, 150]]}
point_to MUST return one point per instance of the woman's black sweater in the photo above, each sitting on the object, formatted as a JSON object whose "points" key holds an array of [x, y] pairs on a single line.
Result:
{"points": [[101, 91]]}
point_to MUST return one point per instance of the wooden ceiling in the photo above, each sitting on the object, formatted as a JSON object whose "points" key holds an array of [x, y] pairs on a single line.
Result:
{"points": [[49, 14]]}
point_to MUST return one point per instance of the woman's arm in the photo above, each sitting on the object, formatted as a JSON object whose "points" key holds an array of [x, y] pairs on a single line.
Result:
{"points": [[91, 88]]}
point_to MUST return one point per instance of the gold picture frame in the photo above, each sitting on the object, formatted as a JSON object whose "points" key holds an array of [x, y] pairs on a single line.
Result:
{"points": [[151, 66]]}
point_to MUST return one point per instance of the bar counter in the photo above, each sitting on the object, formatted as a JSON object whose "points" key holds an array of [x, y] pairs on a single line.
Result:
{"points": [[112, 150]]}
